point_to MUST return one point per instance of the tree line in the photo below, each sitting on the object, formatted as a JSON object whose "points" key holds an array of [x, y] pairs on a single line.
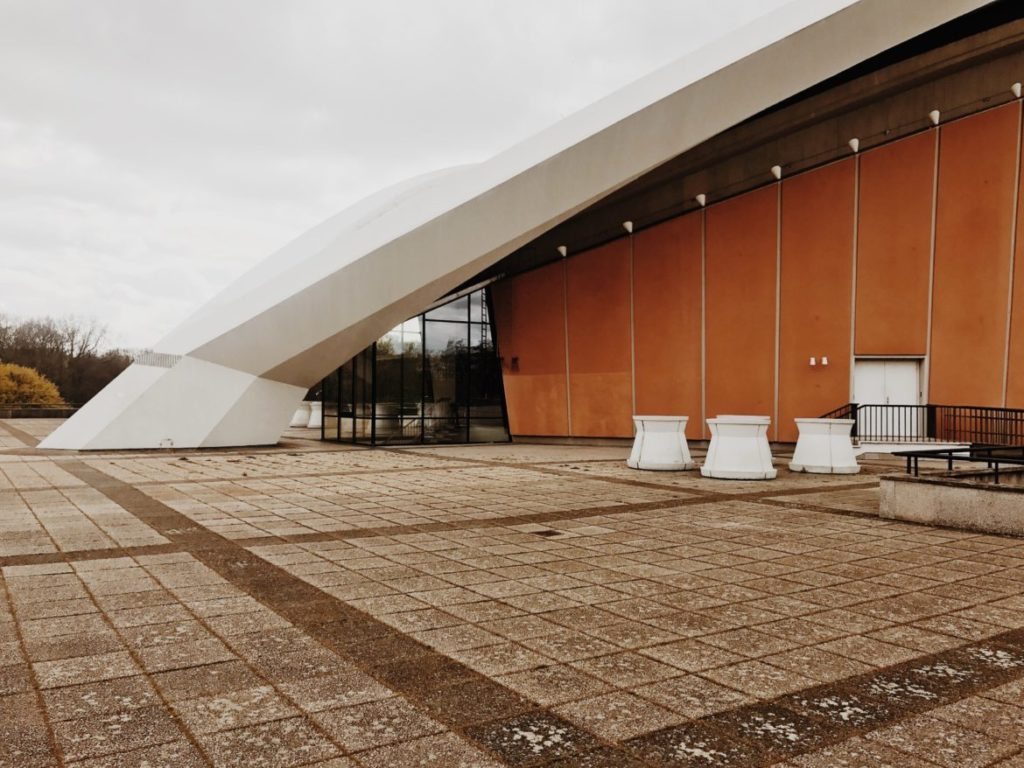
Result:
{"points": [[69, 351]]}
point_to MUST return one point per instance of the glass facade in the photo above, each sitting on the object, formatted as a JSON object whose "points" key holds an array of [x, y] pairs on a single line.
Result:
{"points": [[433, 379]]}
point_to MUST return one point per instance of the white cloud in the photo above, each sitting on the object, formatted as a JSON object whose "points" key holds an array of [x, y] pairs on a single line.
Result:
{"points": [[149, 152]]}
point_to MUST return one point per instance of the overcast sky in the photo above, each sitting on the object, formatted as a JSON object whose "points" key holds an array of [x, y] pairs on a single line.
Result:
{"points": [[152, 150]]}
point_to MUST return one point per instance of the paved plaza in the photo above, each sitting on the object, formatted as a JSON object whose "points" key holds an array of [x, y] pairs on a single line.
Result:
{"points": [[520, 605]]}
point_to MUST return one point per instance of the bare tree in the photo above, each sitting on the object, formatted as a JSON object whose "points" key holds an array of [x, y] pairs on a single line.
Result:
{"points": [[68, 351]]}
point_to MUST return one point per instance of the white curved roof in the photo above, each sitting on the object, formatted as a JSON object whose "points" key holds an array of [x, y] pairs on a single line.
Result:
{"points": [[232, 373]]}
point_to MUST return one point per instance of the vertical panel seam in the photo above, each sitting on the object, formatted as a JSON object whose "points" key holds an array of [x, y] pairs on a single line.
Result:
{"points": [[565, 327], [632, 323], [932, 246], [1013, 259], [778, 304], [703, 321], [853, 284]]}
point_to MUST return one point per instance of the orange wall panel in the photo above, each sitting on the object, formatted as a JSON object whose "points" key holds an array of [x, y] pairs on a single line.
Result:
{"points": [[894, 247], [666, 319], [740, 294], [972, 257], [600, 366], [1015, 379], [816, 293], [530, 324]]}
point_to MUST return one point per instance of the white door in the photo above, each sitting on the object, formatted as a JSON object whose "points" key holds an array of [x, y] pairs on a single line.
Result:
{"points": [[888, 383]]}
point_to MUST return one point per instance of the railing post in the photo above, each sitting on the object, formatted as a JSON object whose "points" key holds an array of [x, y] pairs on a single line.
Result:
{"points": [[853, 415], [930, 428]]}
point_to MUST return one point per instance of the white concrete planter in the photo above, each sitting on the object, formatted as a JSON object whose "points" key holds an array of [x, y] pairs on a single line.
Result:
{"points": [[316, 415], [660, 444], [824, 447], [739, 449], [301, 416]]}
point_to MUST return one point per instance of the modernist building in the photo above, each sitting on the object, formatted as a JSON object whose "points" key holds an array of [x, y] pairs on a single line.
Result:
{"points": [[824, 208]]}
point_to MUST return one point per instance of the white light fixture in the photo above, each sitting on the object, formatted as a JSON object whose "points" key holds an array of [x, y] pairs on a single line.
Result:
{"points": [[934, 116], [813, 361], [1015, 89], [563, 250], [855, 145], [777, 171], [628, 226], [701, 199], [824, 360]]}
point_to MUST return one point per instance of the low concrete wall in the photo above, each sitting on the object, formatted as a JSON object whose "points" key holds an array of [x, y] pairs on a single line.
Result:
{"points": [[968, 500]]}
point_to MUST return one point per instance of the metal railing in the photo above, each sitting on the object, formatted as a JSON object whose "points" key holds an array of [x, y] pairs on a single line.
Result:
{"points": [[933, 423], [992, 456], [37, 410]]}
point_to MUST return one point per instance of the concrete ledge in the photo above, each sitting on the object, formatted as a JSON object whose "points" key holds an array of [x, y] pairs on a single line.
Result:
{"points": [[968, 500]]}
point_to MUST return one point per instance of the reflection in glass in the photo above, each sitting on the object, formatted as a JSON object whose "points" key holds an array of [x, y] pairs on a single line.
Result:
{"points": [[434, 378]]}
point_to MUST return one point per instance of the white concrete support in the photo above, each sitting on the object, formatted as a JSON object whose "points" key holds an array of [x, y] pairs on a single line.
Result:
{"points": [[301, 416], [739, 449], [660, 444], [316, 415], [824, 446], [257, 347]]}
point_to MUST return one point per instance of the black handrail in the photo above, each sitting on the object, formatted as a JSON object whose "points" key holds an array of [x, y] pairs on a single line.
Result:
{"points": [[969, 424], [990, 455]]}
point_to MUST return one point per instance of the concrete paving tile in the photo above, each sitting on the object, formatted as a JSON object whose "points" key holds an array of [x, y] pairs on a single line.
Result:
{"points": [[500, 659], [631, 635], [568, 645], [627, 669], [694, 744], [100, 698], [376, 724], [758, 679], [841, 708], [168, 656], [24, 737], [15, 678], [419, 621], [121, 731], [150, 635], [63, 626], [456, 638], [179, 754], [554, 684], [775, 732], [943, 742], [56, 608], [817, 663], [856, 753], [618, 716], [581, 617], [280, 744], [233, 710], [444, 749], [916, 638], [206, 680], [1011, 693], [868, 650], [1002, 720], [691, 655], [533, 738], [140, 616], [316, 694], [693, 696], [85, 669]]}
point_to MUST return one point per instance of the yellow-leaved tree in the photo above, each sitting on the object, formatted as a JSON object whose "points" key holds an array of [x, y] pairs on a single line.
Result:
{"points": [[20, 385]]}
